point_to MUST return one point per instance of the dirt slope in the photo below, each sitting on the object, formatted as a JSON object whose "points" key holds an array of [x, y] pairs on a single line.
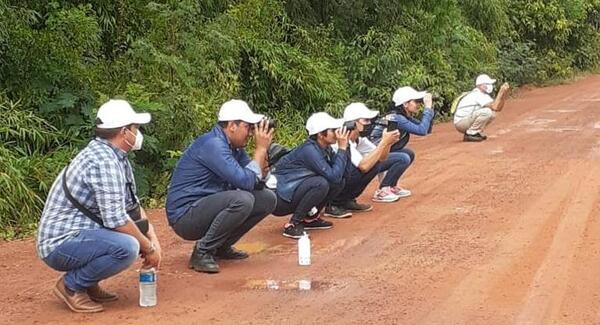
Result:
{"points": [[505, 231]]}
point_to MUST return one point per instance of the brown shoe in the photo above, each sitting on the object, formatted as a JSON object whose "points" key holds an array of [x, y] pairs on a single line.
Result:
{"points": [[98, 294], [78, 302]]}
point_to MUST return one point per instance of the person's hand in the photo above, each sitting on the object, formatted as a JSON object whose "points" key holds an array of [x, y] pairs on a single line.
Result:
{"points": [[342, 135], [505, 86], [152, 259], [428, 100], [390, 138], [263, 136]]}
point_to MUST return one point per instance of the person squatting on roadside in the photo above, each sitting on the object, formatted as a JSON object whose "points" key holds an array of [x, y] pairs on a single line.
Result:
{"points": [[406, 102], [217, 192], [87, 228], [366, 161], [311, 175], [477, 109]]}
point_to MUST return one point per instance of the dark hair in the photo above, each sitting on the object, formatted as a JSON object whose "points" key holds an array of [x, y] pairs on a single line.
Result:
{"points": [[316, 136], [224, 124], [396, 109], [108, 133]]}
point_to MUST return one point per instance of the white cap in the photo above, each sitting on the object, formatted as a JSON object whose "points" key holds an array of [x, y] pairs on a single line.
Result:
{"points": [[117, 112], [322, 121], [357, 111], [236, 109], [483, 79], [405, 94]]}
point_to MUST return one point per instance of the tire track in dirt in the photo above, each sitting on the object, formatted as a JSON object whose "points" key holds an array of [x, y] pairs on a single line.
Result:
{"points": [[542, 304], [473, 290]]}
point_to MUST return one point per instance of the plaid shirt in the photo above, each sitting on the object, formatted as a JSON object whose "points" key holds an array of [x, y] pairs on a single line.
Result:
{"points": [[97, 178]]}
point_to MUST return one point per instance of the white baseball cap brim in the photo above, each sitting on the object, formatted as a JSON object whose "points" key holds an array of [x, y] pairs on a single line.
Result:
{"points": [[117, 113], [484, 79], [405, 94], [238, 110], [357, 111], [322, 121]]}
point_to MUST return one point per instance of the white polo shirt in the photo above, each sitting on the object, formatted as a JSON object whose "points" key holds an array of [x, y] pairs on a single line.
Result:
{"points": [[476, 99], [358, 150]]}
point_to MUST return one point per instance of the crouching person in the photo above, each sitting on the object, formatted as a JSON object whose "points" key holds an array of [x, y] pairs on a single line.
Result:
{"points": [[311, 175], [366, 161], [217, 192], [86, 230]]}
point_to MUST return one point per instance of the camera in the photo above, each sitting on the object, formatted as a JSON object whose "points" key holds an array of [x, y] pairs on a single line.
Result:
{"points": [[390, 125], [271, 123], [350, 125]]}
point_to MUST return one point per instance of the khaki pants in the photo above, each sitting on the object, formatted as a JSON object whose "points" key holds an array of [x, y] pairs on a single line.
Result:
{"points": [[475, 123]]}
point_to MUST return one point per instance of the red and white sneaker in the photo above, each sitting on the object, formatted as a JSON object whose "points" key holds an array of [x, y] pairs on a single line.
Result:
{"points": [[400, 192], [385, 195]]}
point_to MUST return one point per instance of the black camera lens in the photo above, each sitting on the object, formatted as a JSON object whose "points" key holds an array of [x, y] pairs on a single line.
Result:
{"points": [[350, 125], [271, 123]]}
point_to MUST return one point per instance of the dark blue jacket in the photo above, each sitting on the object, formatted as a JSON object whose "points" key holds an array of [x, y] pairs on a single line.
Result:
{"points": [[208, 166], [305, 161]]}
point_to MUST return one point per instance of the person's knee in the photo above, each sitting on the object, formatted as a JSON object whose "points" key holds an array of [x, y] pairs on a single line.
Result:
{"points": [[411, 154], [244, 200], [268, 200], [127, 249]]}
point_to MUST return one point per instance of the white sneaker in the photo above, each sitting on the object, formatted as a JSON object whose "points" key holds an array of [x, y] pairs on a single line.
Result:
{"points": [[400, 192], [385, 195]]}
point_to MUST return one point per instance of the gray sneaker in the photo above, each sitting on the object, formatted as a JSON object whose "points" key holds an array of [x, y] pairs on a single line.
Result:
{"points": [[357, 207], [334, 211]]}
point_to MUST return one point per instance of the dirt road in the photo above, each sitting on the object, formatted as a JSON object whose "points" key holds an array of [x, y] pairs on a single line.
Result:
{"points": [[505, 231]]}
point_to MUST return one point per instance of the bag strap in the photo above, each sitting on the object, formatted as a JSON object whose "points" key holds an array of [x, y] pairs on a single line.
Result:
{"points": [[76, 203]]}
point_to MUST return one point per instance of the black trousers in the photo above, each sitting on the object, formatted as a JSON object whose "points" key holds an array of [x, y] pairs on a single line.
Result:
{"points": [[356, 182], [221, 219], [313, 192]]}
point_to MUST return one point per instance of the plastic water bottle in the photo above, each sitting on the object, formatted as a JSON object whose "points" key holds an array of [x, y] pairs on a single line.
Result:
{"points": [[147, 287], [304, 250]]}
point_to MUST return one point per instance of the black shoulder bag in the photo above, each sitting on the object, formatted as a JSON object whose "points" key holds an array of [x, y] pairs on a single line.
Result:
{"points": [[133, 213]]}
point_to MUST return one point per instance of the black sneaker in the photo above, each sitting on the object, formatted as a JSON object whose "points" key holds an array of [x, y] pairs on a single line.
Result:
{"points": [[293, 231], [203, 262], [473, 137], [334, 211], [230, 253], [317, 224], [357, 207]]}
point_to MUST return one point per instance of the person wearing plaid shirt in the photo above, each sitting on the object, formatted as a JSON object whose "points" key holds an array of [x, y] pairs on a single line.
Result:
{"points": [[100, 179]]}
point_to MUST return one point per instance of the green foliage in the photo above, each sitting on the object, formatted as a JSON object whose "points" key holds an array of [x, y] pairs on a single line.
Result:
{"points": [[180, 60]]}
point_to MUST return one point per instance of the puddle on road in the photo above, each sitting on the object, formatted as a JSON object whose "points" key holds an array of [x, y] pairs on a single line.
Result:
{"points": [[597, 125], [496, 151], [562, 111], [288, 285]]}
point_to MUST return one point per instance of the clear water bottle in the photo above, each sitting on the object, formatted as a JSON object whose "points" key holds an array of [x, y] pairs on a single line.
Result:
{"points": [[304, 250], [147, 287]]}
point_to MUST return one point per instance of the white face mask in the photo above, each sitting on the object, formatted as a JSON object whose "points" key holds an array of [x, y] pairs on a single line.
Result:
{"points": [[489, 88], [139, 138]]}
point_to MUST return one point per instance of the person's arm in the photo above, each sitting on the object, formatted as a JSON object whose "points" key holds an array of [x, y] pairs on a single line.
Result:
{"points": [[381, 151], [420, 128], [263, 137], [108, 184], [218, 157], [317, 163], [500, 100], [149, 250]]}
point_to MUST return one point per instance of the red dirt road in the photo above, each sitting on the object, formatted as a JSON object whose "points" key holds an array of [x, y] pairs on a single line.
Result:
{"points": [[505, 231]]}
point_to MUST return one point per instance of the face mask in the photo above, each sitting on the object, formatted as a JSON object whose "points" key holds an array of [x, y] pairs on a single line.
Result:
{"points": [[139, 138], [489, 88]]}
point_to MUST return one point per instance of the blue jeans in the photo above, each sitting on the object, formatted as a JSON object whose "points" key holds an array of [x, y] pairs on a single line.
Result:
{"points": [[92, 256], [395, 165]]}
